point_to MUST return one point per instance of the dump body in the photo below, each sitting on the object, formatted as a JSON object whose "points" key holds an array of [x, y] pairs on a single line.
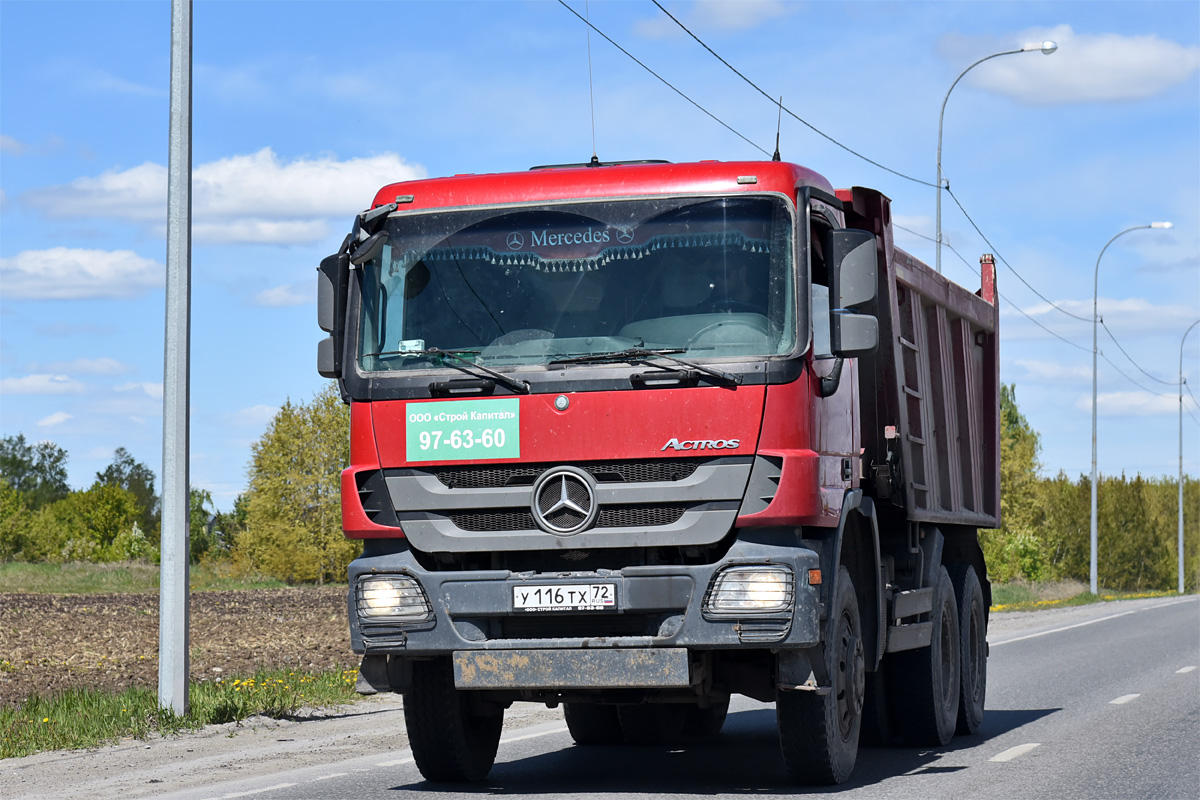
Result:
{"points": [[635, 438]]}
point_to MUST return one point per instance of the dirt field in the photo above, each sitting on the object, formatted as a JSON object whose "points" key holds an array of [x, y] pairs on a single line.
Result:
{"points": [[52, 642]]}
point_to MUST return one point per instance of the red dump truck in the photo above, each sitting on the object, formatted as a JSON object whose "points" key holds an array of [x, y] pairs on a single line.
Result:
{"points": [[636, 437]]}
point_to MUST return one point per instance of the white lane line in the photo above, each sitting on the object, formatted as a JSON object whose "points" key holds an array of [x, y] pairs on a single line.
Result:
{"points": [[1123, 699], [1013, 752], [560, 729], [1091, 621], [1185, 670], [327, 777], [260, 791]]}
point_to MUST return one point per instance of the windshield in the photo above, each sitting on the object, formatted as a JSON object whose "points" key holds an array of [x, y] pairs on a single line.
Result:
{"points": [[709, 278]]}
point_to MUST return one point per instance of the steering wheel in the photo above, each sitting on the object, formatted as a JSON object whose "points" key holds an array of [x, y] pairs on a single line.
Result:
{"points": [[731, 305], [753, 325]]}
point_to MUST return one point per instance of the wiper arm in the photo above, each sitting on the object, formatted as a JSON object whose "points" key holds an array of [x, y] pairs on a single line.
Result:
{"points": [[471, 367], [642, 354]]}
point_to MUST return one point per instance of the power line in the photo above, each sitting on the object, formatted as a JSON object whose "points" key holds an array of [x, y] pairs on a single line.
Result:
{"points": [[1131, 361], [1004, 297], [1010, 267], [1187, 386], [1131, 380], [667, 83], [779, 104]]}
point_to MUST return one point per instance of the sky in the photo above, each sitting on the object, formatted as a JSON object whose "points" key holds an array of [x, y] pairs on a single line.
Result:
{"points": [[301, 111]]}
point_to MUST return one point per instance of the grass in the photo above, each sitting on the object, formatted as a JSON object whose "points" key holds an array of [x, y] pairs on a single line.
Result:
{"points": [[1037, 595], [81, 718], [118, 578]]}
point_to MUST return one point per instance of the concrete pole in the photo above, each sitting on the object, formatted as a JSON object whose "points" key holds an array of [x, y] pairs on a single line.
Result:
{"points": [[173, 583], [1179, 552]]}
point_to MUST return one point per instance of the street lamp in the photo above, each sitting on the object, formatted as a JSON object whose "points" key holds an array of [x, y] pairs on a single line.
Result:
{"points": [[1181, 384], [1046, 48], [1095, 327]]}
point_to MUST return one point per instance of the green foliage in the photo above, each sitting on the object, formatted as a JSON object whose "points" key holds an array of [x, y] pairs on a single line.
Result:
{"points": [[120, 577], [79, 718], [1015, 549], [39, 471], [293, 528], [138, 479]]}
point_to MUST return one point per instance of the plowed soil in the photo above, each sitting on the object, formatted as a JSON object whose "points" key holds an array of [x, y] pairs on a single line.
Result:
{"points": [[53, 642]]}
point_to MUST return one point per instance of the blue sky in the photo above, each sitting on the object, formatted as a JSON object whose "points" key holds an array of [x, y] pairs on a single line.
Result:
{"points": [[303, 110]]}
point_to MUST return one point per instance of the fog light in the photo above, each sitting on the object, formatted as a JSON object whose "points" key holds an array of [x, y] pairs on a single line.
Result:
{"points": [[751, 590], [392, 597]]}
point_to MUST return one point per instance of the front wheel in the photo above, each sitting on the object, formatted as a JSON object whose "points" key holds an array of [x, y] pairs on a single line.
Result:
{"points": [[818, 734], [593, 723], [453, 736]]}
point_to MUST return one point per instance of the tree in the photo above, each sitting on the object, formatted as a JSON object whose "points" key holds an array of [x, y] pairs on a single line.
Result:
{"points": [[201, 520], [1015, 549], [138, 479], [38, 472], [293, 519]]}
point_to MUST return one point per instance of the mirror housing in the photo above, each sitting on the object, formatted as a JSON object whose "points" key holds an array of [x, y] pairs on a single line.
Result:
{"points": [[369, 249], [852, 335], [333, 282], [854, 274]]}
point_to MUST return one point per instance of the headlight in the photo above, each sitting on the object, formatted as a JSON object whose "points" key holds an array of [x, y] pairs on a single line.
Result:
{"points": [[738, 591], [391, 597]]}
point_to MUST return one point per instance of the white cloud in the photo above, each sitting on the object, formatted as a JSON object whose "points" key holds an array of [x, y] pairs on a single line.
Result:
{"points": [[290, 295], [1123, 317], [85, 366], [713, 15], [255, 416], [1053, 370], [64, 273], [41, 384], [1133, 404], [57, 418], [11, 146], [1086, 68], [154, 390], [245, 198]]}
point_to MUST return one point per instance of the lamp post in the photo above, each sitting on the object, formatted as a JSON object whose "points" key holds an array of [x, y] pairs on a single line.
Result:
{"points": [[1180, 552], [1095, 327], [1046, 48]]}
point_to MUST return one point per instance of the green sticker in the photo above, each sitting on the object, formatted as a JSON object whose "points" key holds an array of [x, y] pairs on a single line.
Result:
{"points": [[458, 430]]}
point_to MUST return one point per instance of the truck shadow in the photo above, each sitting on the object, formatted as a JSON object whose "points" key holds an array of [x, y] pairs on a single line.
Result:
{"points": [[744, 759]]}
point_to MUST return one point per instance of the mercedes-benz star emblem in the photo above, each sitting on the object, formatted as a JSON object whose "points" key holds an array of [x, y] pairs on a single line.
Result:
{"points": [[624, 235], [564, 501], [515, 241]]}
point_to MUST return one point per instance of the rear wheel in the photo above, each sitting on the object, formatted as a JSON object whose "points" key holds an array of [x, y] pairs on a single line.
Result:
{"points": [[924, 685], [593, 723], [972, 621], [653, 723], [818, 733], [452, 734]]}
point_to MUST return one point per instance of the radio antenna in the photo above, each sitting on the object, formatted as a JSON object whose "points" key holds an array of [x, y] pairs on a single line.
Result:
{"points": [[778, 125], [591, 92]]}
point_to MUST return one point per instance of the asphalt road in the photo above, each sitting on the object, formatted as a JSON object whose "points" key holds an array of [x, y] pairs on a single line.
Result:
{"points": [[1099, 701]]}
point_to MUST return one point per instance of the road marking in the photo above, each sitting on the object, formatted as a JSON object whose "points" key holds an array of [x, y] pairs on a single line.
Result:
{"points": [[397, 762], [1013, 752], [327, 777], [1123, 699], [1088, 622], [1185, 670], [260, 791]]}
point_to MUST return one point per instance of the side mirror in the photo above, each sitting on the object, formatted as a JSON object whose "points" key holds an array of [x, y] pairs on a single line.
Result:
{"points": [[854, 276], [369, 249], [854, 267], [333, 281]]}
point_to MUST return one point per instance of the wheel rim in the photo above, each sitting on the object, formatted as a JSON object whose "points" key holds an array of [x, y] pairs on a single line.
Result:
{"points": [[946, 665], [851, 677]]}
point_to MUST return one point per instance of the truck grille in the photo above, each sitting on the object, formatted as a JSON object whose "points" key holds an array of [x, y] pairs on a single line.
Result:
{"points": [[632, 471], [610, 517], [538, 626]]}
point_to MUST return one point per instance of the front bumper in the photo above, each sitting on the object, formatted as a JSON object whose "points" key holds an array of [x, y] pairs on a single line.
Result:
{"points": [[657, 608]]}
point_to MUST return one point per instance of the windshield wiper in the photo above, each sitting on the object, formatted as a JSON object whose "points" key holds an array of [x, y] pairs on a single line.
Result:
{"points": [[515, 384], [642, 354]]}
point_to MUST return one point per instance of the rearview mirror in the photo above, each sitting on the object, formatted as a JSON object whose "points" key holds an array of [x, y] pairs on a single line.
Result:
{"points": [[854, 267], [333, 280]]}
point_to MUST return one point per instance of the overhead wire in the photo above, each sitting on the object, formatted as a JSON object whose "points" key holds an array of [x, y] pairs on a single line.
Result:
{"points": [[1131, 361], [790, 113], [665, 82]]}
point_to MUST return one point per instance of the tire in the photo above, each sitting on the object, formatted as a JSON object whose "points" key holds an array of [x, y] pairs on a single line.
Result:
{"points": [[653, 724], [705, 722], [818, 734], [451, 741], [972, 620], [593, 723], [876, 716], [924, 686]]}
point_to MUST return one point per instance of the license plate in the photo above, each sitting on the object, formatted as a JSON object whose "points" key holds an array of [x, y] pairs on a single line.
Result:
{"points": [[565, 597]]}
